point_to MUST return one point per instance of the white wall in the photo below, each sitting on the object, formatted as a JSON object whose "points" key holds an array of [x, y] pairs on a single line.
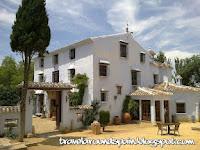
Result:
{"points": [[68, 116], [82, 63], [10, 115], [190, 99], [87, 61], [120, 70]]}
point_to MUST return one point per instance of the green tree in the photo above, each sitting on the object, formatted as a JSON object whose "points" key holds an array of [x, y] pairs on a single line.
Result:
{"points": [[8, 96], [8, 72], [160, 57], [8, 81], [30, 36], [11, 72], [189, 70]]}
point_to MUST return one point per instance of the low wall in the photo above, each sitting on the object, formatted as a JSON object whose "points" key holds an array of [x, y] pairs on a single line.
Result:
{"points": [[75, 122], [185, 118], [8, 113]]}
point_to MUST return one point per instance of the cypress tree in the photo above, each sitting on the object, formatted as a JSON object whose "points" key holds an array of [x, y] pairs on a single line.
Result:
{"points": [[30, 36]]}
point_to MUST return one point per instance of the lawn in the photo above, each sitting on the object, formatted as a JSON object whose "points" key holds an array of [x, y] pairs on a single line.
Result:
{"points": [[50, 140]]}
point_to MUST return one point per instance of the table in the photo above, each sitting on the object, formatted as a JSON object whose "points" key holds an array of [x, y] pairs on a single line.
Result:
{"points": [[168, 126]]}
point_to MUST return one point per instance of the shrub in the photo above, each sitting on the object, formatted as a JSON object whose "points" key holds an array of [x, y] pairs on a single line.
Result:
{"points": [[125, 104], [90, 114], [129, 106], [132, 106], [104, 118], [88, 117]]}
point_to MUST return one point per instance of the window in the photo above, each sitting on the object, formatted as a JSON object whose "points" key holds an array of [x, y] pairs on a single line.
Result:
{"points": [[134, 77], [155, 78], [72, 53], [55, 76], [103, 96], [102, 69], [119, 89], [55, 59], [142, 57], [41, 77], [42, 62], [123, 49], [180, 108], [71, 74]]}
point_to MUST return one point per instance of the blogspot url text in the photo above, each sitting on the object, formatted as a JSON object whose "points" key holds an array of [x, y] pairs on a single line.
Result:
{"points": [[127, 141]]}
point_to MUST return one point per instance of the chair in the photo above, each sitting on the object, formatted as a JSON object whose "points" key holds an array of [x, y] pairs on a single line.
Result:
{"points": [[175, 128], [161, 128]]}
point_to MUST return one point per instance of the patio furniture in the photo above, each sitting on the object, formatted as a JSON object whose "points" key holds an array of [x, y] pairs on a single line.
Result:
{"points": [[161, 128], [175, 129]]}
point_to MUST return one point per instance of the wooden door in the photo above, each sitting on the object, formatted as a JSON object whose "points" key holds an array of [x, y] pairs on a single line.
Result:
{"points": [[157, 105], [166, 110], [58, 109], [41, 101], [146, 112]]}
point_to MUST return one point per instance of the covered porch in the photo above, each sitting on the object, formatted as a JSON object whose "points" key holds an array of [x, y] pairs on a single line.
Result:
{"points": [[153, 105], [48, 89]]}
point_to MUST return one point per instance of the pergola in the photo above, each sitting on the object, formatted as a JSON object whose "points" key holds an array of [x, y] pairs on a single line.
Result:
{"points": [[48, 86]]}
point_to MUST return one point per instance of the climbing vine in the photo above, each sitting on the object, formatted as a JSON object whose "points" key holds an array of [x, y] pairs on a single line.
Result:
{"points": [[76, 98]]}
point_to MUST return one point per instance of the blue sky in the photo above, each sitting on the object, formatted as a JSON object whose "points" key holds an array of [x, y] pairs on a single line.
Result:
{"points": [[172, 26]]}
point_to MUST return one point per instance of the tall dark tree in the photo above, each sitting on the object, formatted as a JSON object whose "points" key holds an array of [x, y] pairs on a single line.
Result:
{"points": [[30, 36]]}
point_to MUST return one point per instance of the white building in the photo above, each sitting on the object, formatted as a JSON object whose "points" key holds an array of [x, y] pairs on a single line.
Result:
{"points": [[116, 65]]}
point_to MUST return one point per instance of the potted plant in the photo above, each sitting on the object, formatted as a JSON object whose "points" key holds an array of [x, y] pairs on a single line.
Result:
{"points": [[132, 107], [104, 118], [126, 117]]}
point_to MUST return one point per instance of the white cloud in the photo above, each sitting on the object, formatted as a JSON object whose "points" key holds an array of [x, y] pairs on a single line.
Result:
{"points": [[69, 13], [6, 17], [178, 53], [175, 26], [150, 35], [129, 11], [123, 12], [188, 22], [164, 43], [15, 2], [152, 2]]}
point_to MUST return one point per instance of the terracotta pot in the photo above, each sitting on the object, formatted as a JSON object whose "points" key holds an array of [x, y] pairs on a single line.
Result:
{"points": [[126, 117], [116, 120]]}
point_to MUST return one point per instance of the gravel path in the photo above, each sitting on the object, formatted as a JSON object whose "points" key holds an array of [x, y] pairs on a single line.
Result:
{"points": [[146, 130]]}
